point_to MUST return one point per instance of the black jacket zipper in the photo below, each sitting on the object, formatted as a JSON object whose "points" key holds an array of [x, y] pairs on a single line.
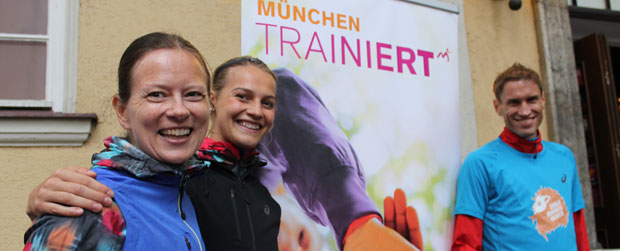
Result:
{"points": [[247, 207], [183, 216], [235, 213]]}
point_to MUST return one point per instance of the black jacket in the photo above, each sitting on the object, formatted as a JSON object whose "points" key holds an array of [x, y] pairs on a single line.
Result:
{"points": [[234, 210]]}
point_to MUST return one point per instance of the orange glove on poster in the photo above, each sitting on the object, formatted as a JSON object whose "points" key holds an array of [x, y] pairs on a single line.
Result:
{"points": [[375, 236], [402, 218]]}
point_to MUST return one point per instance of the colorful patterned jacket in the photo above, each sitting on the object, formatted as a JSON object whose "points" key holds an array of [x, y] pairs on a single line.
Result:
{"points": [[152, 211]]}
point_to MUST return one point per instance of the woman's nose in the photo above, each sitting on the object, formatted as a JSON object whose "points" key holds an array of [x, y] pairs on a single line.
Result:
{"points": [[254, 109], [177, 109]]}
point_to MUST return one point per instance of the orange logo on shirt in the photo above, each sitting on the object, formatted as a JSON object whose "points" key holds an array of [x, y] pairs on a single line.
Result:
{"points": [[549, 211]]}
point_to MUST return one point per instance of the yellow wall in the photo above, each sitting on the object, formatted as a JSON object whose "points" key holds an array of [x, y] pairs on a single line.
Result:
{"points": [[497, 37], [105, 30]]}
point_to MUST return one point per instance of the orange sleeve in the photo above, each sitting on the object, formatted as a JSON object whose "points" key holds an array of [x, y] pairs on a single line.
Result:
{"points": [[359, 222], [467, 233], [581, 232]]}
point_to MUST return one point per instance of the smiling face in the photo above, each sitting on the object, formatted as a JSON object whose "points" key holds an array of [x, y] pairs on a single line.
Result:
{"points": [[521, 104], [244, 106], [167, 111]]}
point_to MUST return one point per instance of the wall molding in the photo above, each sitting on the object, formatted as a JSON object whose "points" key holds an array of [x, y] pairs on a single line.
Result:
{"points": [[42, 128]]}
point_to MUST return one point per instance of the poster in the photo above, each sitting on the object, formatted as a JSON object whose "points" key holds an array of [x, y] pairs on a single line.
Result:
{"points": [[387, 71]]}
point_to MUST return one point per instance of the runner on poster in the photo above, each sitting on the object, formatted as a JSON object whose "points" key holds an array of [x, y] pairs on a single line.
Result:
{"points": [[388, 73]]}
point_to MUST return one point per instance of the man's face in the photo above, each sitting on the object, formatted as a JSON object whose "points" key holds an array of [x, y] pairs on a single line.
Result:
{"points": [[521, 104]]}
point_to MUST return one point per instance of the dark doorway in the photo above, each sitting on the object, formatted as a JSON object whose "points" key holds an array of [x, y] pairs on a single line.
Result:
{"points": [[596, 36], [600, 109]]}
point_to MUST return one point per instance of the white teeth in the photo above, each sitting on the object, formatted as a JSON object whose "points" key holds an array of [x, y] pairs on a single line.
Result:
{"points": [[249, 125], [524, 119], [175, 132]]}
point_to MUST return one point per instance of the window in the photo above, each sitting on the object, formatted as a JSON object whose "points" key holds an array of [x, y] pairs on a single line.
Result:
{"points": [[596, 4], [38, 54], [38, 74]]}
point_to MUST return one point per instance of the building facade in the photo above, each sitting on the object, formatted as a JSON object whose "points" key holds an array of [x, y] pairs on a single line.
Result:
{"points": [[84, 40]]}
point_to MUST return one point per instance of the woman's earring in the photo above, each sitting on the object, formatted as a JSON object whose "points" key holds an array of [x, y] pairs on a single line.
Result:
{"points": [[211, 109]]}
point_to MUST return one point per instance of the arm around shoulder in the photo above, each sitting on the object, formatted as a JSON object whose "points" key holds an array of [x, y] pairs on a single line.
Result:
{"points": [[66, 192]]}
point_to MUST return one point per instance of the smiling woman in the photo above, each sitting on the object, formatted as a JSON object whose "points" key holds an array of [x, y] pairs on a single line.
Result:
{"points": [[163, 82], [243, 98], [168, 110], [236, 210]]}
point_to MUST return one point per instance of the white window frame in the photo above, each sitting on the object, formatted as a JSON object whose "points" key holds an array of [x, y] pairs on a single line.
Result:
{"points": [[61, 58], [61, 126]]}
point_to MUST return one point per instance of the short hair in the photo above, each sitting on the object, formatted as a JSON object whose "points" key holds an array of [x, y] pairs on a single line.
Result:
{"points": [[515, 72]]}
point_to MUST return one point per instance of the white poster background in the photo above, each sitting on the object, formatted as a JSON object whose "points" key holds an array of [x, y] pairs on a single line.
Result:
{"points": [[404, 127]]}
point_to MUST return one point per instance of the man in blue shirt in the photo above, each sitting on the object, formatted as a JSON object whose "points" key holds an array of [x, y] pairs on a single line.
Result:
{"points": [[518, 192]]}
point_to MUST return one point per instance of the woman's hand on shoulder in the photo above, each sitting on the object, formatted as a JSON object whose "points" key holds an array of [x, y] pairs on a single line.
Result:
{"points": [[67, 192]]}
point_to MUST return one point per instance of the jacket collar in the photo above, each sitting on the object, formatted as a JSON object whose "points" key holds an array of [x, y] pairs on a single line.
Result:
{"points": [[120, 154], [223, 152], [235, 160], [520, 144]]}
